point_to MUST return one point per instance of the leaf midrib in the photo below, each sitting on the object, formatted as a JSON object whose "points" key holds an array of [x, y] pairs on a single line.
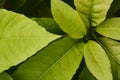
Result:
{"points": [[96, 61], [57, 61]]}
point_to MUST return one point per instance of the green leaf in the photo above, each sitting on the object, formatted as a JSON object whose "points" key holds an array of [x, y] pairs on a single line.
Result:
{"points": [[20, 38], [95, 10], [119, 72], [85, 20], [5, 76], [110, 28], [114, 8], [68, 19], [58, 61], [114, 67], [86, 75], [49, 24], [97, 61], [112, 47]]}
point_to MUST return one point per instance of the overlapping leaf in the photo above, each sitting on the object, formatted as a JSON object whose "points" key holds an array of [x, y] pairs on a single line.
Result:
{"points": [[20, 38], [110, 28], [114, 67], [97, 61], [5, 76], [49, 24], [95, 10], [113, 48], [119, 72], [58, 61], [68, 19], [86, 75]]}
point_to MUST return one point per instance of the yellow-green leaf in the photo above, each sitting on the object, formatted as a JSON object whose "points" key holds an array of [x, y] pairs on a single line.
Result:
{"points": [[97, 61], [20, 38], [68, 19], [58, 61], [110, 28], [95, 10]]}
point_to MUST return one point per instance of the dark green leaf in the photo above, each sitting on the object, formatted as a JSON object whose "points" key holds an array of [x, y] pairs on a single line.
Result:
{"points": [[114, 8], [58, 61], [2, 3], [119, 72], [49, 24], [5, 76], [86, 75], [113, 48], [114, 67], [14, 4]]}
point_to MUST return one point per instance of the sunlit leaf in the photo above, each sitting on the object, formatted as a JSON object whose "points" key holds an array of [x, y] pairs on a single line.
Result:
{"points": [[95, 10], [58, 61], [97, 61], [20, 38], [110, 28], [68, 19], [86, 75]]}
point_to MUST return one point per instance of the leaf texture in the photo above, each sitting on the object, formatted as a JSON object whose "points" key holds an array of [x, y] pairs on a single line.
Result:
{"points": [[112, 47], [110, 28], [20, 38], [58, 61], [95, 10], [68, 19], [97, 61]]}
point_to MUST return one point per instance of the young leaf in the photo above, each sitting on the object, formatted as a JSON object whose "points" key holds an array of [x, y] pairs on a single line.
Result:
{"points": [[95, 10], [110, 28], [49, 24], [5, 76], [97, 61], [58, 61], [85, 20], [20, 38], [112, 47], [86, 75], [68, 19]]}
